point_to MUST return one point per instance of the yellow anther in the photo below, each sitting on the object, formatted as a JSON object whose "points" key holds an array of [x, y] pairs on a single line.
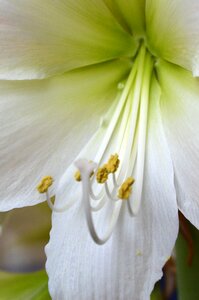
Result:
{"points": [[102, 174], [126, 188], [77, 176], [113, 163], [44, 185]]}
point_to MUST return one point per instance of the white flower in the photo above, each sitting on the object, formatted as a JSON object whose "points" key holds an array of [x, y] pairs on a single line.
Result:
{"points": [[118, 77]]}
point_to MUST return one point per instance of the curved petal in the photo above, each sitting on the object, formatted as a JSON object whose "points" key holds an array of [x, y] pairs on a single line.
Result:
{"points": [[130, 14], [43, 38], [44, 124], [189, 208], [172, 29], [130, 262], [180, 111]]}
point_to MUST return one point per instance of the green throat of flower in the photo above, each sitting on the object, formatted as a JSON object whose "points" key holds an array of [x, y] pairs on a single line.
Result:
{"points": [[127, 130]]}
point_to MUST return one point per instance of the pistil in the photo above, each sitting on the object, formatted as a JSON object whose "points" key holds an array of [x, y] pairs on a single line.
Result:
{"points": [[127, 131]]}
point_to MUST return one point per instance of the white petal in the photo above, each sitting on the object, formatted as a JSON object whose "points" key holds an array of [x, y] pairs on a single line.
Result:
{"points": [[42, 38], [44, 124], [172, 29], [128, 265], [189, 208], [180, 111]]}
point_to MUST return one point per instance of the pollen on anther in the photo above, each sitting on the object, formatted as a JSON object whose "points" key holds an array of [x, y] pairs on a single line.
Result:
{"points": [[102, 174], [44, 185], [125, 189], [77, 176], [113, 163]]}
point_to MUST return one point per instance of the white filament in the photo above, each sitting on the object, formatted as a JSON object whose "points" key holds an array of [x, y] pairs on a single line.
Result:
{"points": [[129, 121], [85, 175], [109, 194], [142, 135], [58, 209]]}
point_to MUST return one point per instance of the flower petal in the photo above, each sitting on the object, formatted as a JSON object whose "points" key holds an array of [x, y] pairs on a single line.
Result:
{"points": [[189, 208], [43, 38], [180, 111], [130, 14], [130, 262], [44, 124], [172, 28]]}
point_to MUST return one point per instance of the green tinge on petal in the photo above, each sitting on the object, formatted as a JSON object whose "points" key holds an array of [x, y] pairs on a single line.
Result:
{"points": [[146, 242], [45, 123], [130, 14], [43, 38], [172, 31], [32, 286]]}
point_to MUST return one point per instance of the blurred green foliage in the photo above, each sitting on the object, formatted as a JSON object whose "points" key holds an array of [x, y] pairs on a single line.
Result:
{"points": [[188, 276], [33, 286], [156, 295], [24, 234]]}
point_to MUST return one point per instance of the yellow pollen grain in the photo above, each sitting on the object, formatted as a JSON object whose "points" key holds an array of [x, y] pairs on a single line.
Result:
{"points": [[113, 163], [125, 189], [44, 185], [102, 174]]}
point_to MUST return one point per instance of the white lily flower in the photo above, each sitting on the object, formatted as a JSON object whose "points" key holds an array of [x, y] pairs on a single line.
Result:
{"points": [[118, 77]]}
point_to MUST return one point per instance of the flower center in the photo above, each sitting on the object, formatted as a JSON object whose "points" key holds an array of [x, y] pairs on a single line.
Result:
{"points": [[127, 132]]}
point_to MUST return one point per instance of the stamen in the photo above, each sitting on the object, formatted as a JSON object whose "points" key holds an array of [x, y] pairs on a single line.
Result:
{"points": [[109, 194], [113, 163], [115, 181], [57, 209], [125, 190], [83, 166], [44, 185], [142, 135], [125, 130], [117, 112], [100, 204], [102, 174], [77, 176]]}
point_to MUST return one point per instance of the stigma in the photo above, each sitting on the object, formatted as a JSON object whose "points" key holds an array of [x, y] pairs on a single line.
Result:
{"points": [[110, 192], [102, 176], [89, 174]]}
